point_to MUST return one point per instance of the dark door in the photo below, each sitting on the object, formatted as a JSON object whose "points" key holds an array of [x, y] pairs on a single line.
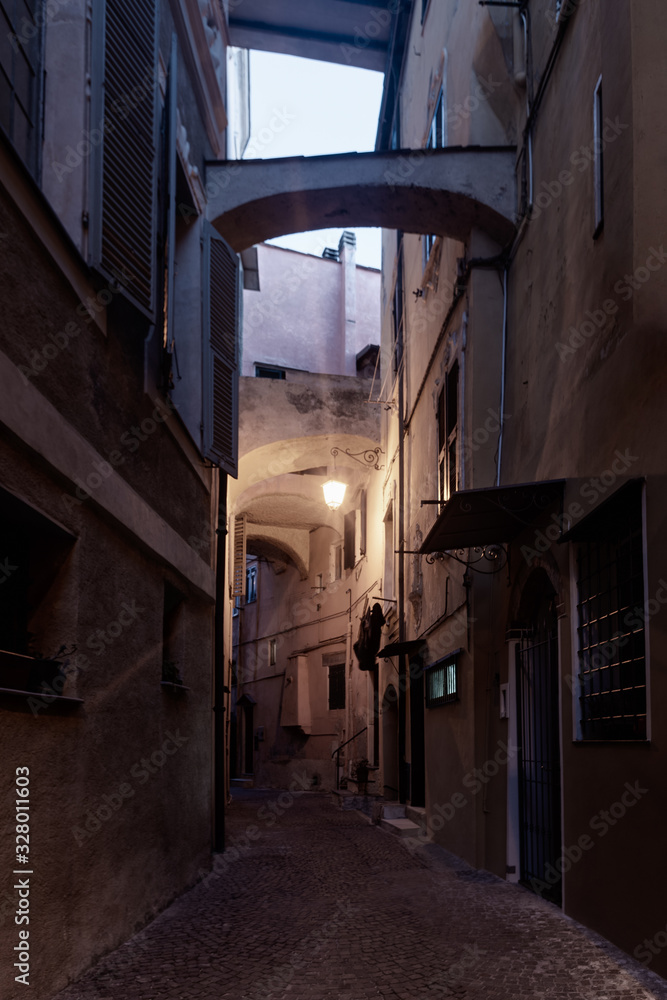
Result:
{"points": [[248, 739], [539, 742], [417, 755]]}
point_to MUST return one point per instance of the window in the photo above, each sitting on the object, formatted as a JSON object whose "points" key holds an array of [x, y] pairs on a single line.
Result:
{"points": [[442, 682], [428, 242], [273, 652], [336, 561], [437, 136], [611, 621], [448, 405], [355, 533], [336, 686], [20, 78], [33, 589], [267, 371], [398, 305], [319, 583], [389, 554], [598, 165], [251, 584]]}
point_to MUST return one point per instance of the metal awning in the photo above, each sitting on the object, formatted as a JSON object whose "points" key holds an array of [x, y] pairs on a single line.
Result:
{"points": [[407, 647], [491, 516], [351, 32]]}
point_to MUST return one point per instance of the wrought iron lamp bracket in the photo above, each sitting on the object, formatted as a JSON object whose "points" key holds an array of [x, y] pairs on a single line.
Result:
{"points": [[494, 555], [371, 457]]}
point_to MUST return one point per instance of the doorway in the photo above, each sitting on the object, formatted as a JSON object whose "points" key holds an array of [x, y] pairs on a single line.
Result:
{"points": [[390, 743], [538, 736]]}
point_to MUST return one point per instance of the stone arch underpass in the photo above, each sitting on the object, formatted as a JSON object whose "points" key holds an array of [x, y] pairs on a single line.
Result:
{"points": [[279, 489], [447, 192]]}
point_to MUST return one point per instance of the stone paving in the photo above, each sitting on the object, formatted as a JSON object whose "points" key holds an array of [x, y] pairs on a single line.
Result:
{"points": [[315, 903]]}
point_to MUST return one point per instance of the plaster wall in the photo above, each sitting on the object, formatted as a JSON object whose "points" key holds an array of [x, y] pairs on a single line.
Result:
{"points": [[585, 383], [297, 317], [107, 599]]}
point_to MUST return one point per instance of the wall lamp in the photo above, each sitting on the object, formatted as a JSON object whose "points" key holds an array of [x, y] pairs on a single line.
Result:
{"points": [[334, 489]]}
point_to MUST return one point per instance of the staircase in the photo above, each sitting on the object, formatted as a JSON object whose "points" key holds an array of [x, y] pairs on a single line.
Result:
{"points": [[402, 820]]}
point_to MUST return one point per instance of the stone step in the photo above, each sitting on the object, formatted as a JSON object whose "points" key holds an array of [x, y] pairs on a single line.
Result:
{"points": [[242, 783], [400, 827], [392, 810], [417, 814]]}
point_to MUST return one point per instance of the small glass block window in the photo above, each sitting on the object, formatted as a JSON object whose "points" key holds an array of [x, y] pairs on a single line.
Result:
{"points": [[442, 681]]}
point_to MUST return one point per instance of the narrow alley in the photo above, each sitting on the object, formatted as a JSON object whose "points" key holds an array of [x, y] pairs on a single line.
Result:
{"points": [[312, 902]]}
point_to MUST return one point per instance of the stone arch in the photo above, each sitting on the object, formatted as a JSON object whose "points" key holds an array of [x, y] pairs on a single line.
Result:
{"points": [[447, 192]]}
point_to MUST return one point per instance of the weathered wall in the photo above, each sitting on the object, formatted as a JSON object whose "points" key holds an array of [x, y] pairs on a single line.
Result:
{"points": [[585, 377], [120, 812], [296, 318]]}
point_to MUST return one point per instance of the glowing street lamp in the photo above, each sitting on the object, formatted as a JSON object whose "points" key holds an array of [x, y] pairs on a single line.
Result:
{"points": [[334, 493]]}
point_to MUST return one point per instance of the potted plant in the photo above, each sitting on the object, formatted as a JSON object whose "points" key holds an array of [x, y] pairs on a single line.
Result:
{"points": [[361, 771]]}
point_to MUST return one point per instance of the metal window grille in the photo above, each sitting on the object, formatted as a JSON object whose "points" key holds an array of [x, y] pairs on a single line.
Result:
{"points": [[442, 682], [20, 78], [611, 646], [336, 686]]}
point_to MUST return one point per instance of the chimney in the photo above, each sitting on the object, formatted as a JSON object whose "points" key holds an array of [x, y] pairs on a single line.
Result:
{"points": [[347, 254]]}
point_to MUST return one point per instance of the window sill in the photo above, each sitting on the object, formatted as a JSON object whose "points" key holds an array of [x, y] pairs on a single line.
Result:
{"points": [[611, 742], [54, 704]]}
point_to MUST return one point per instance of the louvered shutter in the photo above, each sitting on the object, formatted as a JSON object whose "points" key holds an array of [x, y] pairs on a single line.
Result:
{"points": [[124, 114], [221, 312], [239, 568]]}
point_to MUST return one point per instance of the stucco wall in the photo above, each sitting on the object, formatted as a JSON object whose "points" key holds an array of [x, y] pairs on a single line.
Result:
{"points": [[120, 784], [297, 317]]}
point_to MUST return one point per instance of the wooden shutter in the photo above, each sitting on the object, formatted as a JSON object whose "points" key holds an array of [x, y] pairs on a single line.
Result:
{"points": [[124, 113], [221, 313], [239, 567]]}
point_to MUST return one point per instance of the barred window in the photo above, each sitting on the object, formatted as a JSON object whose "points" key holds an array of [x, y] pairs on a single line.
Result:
{"points": [[442, 681], [611, 622]]}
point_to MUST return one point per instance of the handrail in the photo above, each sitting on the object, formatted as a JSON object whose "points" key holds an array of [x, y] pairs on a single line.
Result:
{"points": [[336, 753], [350, 740]]}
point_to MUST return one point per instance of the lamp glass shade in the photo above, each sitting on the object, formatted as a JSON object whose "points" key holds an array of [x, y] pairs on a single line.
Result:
{"points": [[334, 493]]}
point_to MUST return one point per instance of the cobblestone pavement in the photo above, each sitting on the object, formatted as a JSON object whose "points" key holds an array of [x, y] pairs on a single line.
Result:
{"points": [[319, 904]]}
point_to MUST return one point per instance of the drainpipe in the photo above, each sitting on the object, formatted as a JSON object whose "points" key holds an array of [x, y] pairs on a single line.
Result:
{"points": [[464, 344], [402, 770], [219, 674], [502, 378]]}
